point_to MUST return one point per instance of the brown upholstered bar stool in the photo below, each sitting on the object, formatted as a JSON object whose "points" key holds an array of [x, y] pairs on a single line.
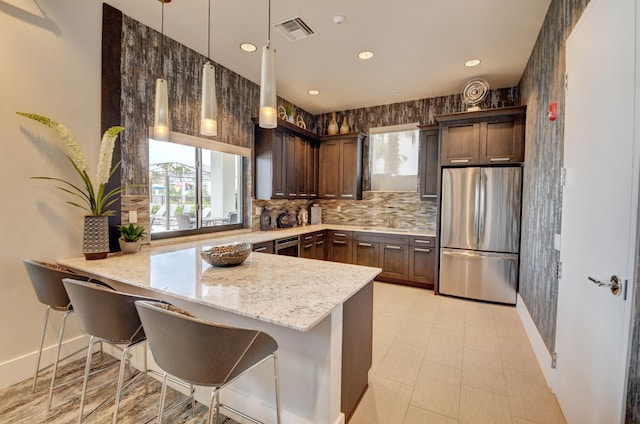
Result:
{"points": [[46, 280], [203, 353]]}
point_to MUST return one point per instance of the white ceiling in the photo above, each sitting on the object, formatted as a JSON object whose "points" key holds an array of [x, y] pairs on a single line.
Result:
{"points": [[420, 46]]}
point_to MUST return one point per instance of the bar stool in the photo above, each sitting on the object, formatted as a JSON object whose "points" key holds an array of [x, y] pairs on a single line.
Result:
{"points": [[203, 353], [109, 316], [46, 280]]}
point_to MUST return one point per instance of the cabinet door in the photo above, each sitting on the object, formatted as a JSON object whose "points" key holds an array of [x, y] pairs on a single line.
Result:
{"points": [[340, 251], [422, 264], [394, 261], [349, 169], [429, 163], [279, 162], [312, 168], [290, 181], [307, 249], [502, 140], [460, 144], [366, 253], [329, 175], [300, 165], [319, 252]]}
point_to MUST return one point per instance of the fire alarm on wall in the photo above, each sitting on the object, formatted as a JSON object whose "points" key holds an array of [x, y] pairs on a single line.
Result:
{"points": [[553, 111]]}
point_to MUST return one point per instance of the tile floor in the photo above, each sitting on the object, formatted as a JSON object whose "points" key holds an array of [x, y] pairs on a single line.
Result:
{"points": [[438, 359]]}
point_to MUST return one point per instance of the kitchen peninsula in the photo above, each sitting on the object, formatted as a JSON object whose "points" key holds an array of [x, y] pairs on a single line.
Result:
{"points": [[320, 313]]}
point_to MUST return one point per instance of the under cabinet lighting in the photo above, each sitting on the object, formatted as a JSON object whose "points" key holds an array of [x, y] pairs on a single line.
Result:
{"points": [[471, 63], [364, 55]]}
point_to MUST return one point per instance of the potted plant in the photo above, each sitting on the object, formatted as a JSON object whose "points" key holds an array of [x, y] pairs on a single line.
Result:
{"points": [[290, 110], [131, 238], [94, 199]]}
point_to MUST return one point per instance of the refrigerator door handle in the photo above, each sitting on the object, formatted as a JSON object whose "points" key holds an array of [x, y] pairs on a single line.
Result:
{"points": [[481, 208], [476, 209]]}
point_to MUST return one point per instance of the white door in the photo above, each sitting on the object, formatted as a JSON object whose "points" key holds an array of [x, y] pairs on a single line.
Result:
{"points": [[598, 214]]}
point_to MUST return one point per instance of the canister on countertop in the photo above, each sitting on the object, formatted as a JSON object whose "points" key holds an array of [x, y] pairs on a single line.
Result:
{"points": [[316, 214]]}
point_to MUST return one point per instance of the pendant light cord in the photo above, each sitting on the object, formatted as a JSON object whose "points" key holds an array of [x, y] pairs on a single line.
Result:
{"points": [[269, 27], [162, 43], [209, 33]]}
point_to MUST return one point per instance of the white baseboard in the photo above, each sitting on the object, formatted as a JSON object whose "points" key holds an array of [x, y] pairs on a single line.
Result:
{"points": [[21, 368], [539, 347]]}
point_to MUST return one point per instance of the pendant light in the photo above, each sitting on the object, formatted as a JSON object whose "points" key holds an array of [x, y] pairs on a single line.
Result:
{"points": [[268, 115], [209, 110], [161, 111]]}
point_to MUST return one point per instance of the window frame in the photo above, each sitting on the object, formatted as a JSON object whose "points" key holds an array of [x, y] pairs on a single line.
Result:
{"points": [[413, 126], [203, 143]]}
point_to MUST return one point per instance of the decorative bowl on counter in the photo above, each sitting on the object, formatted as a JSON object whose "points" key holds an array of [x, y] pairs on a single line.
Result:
{"points": [[226, 254]]}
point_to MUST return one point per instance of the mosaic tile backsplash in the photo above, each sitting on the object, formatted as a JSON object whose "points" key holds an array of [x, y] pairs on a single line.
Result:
{"points": [[375, 209]]}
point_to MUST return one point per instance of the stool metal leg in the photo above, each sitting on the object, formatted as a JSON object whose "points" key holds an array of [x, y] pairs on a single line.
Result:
{"points": [[277, 383], [44, 329], [55, 364], [163, 394], [123, 365], [87, 368]]}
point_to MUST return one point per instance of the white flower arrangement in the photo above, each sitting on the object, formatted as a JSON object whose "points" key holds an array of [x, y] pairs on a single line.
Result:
{"points": [[95, 202]]}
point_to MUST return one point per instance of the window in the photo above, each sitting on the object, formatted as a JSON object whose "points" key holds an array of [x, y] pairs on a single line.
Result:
{"points": [[394, 157], [195, 185]]}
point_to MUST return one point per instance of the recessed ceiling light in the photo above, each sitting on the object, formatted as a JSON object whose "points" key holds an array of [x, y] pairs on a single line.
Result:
{"points": [[365, 55], [313, 92], [472, 62], [248, 47]]}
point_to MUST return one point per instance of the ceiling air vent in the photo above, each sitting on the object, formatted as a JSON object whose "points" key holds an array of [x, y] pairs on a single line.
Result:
{"points": [[295, 28]]}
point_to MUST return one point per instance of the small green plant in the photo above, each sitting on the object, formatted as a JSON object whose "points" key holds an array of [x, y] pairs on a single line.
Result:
{"points": [[289, 109], [132, 232]]}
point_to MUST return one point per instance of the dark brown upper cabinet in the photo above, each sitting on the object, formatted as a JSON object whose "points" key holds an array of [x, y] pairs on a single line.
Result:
{"points": [[340, 174], [485, 137], [285, 163], [428, 161]]}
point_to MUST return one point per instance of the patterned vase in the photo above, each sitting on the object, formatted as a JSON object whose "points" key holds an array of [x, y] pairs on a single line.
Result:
{"points": [[95, 241]]}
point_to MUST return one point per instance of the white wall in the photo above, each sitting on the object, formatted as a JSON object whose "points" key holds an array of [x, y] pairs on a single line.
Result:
{"points": [[51, 64]]}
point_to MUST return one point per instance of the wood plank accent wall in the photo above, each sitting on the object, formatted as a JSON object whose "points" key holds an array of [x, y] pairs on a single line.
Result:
{"points": [[541, 84]]}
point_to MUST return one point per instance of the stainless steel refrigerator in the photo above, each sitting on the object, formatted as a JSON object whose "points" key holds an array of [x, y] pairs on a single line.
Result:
{"points": [[480, 232]]}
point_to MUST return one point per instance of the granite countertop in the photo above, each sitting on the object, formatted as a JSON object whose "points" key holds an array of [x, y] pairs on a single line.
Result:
{"points": [[291, 292], [262, 236]]}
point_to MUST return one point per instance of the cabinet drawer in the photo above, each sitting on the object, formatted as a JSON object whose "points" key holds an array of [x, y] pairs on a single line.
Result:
{"points": [[340, 235], [381, 238], [264, 247], [422, 241]]}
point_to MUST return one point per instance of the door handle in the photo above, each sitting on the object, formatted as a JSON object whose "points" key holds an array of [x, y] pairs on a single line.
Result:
{"points": [[615, 285]]}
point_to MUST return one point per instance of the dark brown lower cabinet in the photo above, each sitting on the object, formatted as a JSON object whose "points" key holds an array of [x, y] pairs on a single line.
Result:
{"points": [[394, 261], [422, 261], [312, 245], [366, 253], [339, 248]]}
